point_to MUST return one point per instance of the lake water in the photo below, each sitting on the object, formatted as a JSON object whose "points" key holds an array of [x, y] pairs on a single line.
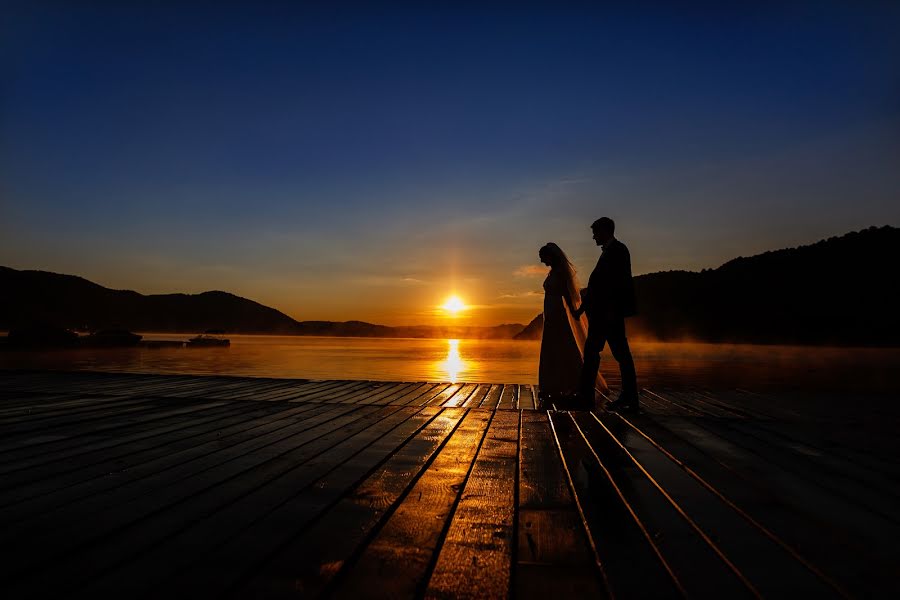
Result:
{"points": [[498, 361]]}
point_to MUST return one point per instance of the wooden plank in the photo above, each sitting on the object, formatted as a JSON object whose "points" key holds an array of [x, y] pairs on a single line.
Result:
{"points": [[851, 540], [147, 490], [274, 390], [401, 397], [364, 390], [35, 406], [475, 559], [252, 387], [89, 411], [865, 469], [508, 397], [111, 422], [423, 398], [170, 388], [387, 392], [200, 453], [54, 487], [248, 388], [800, 470], [214, 572], [213, 517], [68, 446], [375, 389], [492, 398], [461, 397], [705, 407], [241, 387], [419, 395], [11, 399], [61, 406], [293, 389], [553, 553], [201, 387], [763, 562], [281, 390], [477, 397], [331, 394], [527, 397], [700, 563], [554, 563], [791, 529], [64, 459], [306, 560], [72, 382], [626, 550], [76, 382], [444, 396], [400, 554]]}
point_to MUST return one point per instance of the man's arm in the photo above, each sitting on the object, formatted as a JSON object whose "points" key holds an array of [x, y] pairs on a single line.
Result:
{"points": [[625, 283]]}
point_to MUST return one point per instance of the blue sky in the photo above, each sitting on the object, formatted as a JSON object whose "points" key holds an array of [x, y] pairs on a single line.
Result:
{"points": [[353, 162]]}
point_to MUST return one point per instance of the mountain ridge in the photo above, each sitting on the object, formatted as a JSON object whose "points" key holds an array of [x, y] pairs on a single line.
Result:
{"points": [[71, 301], [840, 290]]}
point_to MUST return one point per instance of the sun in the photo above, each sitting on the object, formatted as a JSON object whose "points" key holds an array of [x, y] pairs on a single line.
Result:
{"points": [[454, 305]]}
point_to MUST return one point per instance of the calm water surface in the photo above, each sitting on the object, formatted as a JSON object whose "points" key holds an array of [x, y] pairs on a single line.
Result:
{"points": [[498, 361]]}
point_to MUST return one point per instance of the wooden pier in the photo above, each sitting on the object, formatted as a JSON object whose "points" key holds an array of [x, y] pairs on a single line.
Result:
{"points": [[150, 486]]}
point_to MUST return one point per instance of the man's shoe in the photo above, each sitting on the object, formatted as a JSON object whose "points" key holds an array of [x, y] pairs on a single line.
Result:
{"points": [[624, 405]]}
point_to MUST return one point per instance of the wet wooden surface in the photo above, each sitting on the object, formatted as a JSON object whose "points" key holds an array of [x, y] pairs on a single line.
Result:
{"points": [[151, 486]]}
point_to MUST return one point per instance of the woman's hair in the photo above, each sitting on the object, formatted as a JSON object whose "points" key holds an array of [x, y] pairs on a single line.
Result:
{"points": [[555, 256], [558, 260]]}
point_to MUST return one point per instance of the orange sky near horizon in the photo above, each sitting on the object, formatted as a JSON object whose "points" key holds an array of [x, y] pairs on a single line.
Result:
{"points": [[368, 164]]}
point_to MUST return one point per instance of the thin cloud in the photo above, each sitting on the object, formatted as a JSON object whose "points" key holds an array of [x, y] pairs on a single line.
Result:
{"points": [[530, 271]]}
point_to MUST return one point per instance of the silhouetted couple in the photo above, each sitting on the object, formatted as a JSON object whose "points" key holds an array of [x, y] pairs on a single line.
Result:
{"points": [[571, 344]]}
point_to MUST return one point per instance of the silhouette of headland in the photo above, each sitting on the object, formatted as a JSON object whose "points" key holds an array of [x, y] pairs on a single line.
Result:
{"points": [[46, 304], [837, 291]]}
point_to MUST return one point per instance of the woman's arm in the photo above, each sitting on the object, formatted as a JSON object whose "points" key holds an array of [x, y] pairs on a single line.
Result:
{"points": [[577, 313], [569, 302]]}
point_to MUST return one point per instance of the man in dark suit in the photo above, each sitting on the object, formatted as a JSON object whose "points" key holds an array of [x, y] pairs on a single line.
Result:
{"points": [[609, 299]]}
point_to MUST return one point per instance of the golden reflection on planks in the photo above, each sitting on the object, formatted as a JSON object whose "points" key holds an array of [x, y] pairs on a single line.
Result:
{"points": [[162, 486]]}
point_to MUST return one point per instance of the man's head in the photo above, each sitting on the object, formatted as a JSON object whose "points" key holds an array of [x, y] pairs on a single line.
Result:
{"points": [[604, 229]]}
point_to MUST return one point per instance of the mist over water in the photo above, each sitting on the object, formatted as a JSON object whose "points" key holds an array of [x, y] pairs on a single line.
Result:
{"points": [[660, 365]]}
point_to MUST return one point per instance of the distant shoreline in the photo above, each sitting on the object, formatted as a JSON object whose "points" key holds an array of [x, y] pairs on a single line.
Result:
{"points": [[786, 297], [634, 340]]}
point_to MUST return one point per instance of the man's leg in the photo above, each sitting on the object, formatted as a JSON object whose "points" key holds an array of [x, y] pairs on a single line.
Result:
{"points": [[593, 346], [618, 344]]}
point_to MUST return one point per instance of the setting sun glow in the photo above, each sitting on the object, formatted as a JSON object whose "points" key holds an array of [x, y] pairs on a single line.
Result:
{"points": [[454, 305]]}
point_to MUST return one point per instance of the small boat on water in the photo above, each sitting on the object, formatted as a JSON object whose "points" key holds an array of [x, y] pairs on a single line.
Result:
{"points": [[212, 338]]}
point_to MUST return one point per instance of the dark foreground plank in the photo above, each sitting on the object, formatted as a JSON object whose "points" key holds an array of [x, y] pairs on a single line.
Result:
{"points": [[177, 486]]}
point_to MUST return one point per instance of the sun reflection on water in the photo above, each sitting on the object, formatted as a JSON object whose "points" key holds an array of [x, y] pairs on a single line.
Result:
{"points": [[453, 365]]}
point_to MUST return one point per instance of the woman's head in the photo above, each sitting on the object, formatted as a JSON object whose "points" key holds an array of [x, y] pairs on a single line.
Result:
{"points": [[552, 255]]}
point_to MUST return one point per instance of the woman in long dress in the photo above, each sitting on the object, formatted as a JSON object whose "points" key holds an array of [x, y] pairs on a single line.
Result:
{"points": [[562, 342]]}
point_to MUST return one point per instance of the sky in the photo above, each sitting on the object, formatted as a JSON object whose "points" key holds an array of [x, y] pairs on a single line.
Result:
{"points": [[359, 162]]}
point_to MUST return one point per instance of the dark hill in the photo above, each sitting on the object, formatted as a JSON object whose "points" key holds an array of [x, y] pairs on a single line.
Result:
{"points": [[533, 330], [842, 290], [39, 298], [74, 302]]}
